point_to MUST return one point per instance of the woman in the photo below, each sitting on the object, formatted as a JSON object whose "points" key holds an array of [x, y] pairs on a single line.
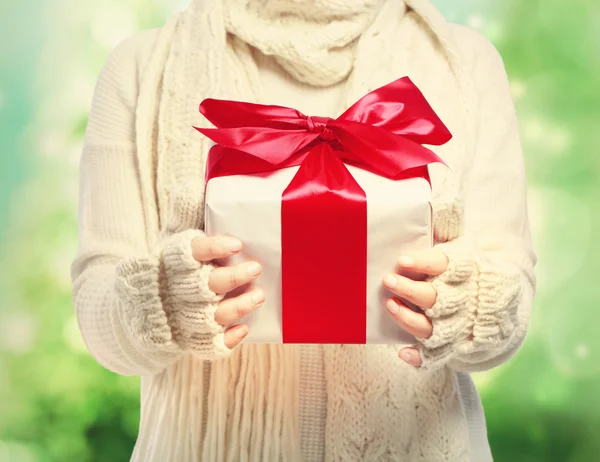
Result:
{"points": [[150, 302]]}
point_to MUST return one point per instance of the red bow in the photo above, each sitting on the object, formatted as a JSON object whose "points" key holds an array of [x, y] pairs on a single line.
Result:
{"points": [[382, 133], [324, 210]]}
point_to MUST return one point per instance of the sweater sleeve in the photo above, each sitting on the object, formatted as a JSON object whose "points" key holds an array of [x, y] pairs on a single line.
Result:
{"points": [[485, 296], [137, 308]]}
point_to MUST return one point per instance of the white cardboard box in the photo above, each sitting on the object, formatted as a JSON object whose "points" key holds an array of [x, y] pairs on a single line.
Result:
{"points": [[248, 207]]}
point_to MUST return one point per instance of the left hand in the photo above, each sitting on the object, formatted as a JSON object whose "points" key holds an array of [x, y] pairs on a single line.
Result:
{"points": [[420, 293]]}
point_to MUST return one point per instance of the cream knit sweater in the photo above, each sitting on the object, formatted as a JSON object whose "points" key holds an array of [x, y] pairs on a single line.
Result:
{"points": [[148, 312]]}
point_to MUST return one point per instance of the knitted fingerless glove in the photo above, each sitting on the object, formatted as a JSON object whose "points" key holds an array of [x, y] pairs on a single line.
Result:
{"points": [[476, 309], [166, 302]]}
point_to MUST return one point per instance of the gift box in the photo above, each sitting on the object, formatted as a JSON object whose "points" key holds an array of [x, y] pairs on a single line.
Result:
{"points": [[326, 206]]}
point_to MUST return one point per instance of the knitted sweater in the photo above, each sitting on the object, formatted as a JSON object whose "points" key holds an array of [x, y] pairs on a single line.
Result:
{"points": [[139, 311]]}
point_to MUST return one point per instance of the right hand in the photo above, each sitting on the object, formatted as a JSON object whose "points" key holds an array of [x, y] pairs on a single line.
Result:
{"points": [[226, 278]]}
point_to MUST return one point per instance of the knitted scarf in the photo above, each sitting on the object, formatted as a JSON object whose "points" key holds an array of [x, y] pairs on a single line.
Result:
{"points": [[205, 51]]}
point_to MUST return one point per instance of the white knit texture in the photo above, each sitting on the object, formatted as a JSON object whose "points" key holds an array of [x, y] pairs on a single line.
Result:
{"points": [[142, 301], [311, 39]]}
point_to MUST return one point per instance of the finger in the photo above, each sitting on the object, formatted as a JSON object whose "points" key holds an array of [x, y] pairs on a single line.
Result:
{"points": [[414, 323], [233, 309], [227, 278], [431, 262], [420, 293], [211, 248], [411, 356], [234, 335]]}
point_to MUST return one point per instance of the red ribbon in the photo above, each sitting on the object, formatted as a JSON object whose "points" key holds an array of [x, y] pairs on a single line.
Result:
{"points": [[324, 210]]}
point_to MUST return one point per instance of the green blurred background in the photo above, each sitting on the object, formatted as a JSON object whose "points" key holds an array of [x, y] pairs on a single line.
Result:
{"points": [[57, 404]]}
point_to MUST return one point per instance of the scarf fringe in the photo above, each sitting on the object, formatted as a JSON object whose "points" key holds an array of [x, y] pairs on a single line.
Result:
{"points": [[251, 390]]}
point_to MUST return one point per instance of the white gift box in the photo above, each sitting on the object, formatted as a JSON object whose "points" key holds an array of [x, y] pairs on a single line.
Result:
{"points": [[248, 207]]}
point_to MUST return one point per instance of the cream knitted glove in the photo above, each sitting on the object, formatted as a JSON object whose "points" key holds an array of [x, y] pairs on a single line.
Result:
{"points": [[166, 302], [476, 307]]}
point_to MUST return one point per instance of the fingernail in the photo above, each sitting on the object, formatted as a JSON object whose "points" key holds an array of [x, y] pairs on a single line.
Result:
{"points": [[406, 261], [254, 269], [392, 307], [232, 245], [390, 281], [242, 331], [406, 355], [258, 296]]}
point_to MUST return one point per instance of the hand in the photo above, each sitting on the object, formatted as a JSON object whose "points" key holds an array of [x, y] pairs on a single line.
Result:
{"points": [[225, 279], [420, 293]]}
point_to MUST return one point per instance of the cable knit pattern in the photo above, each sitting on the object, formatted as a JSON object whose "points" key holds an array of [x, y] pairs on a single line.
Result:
{"points": [[138, 287], [453, 313], [476, 308], [142, 301], [372, 410], [165, 299], [189, 303]]}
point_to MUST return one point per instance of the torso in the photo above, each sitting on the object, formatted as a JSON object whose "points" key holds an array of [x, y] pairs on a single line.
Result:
{"points": [[387, 402]]}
